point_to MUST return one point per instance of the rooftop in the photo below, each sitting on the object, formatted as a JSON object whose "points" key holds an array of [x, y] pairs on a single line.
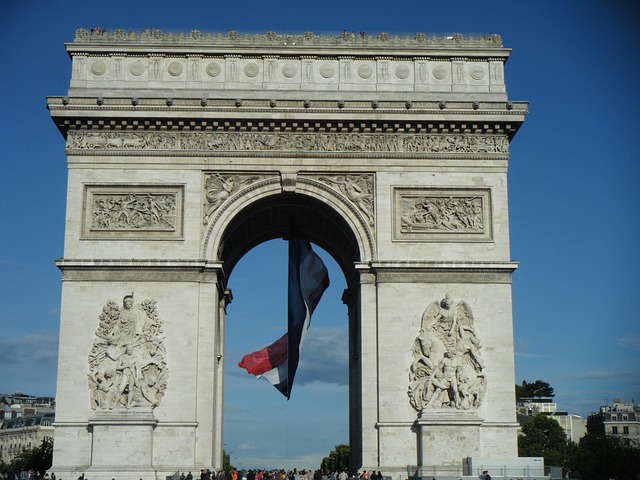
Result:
{"points": [[345, 39]]}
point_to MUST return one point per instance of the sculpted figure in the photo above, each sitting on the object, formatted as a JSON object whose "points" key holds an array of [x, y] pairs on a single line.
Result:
{"points": [[219, 188], [442, 214], [447, 370], [127, 364], [443, 384], [358, 189], [133, 211]]}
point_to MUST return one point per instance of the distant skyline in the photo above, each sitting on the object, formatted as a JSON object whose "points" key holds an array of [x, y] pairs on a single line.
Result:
{"points": [[573, 179]]}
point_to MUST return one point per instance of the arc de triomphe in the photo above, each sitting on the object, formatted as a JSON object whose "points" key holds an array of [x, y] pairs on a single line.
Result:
{"points": [[187, 150]]}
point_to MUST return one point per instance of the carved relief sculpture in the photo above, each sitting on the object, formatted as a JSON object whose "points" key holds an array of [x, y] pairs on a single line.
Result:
{"points": [[447, 370], [133, 211], [127, 364], [308, 142], [218, 187], [442, 213], [357, 188]]}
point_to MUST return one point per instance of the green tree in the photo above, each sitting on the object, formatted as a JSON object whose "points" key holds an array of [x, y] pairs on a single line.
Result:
{"points": [[38, 458], [544, 437], [600, 457], [226, 461], [337, 460], [537, 389]]}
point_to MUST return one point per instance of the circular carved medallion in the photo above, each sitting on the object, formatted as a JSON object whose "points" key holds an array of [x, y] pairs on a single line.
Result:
{"points": [[214, 69], [98, 68], [175, 69], [477, 72], [251, 70], [136, 69], [365, 71], [440, 72], [403, 72], [327, 70], [289, 70]]}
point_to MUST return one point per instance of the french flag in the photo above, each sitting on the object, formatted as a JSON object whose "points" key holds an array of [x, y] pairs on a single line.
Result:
{"points": [[308, 279]]}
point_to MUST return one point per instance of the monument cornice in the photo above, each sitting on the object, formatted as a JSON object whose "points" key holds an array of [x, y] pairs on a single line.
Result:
{"points": [[374, 102], [226, 114]]}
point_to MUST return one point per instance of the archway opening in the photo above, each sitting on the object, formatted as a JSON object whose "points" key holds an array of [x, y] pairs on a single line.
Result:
{"points": [[261, 428], [271, 217]]}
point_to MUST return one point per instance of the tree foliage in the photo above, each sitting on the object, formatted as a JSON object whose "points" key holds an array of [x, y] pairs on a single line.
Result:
{"points": [[38, 459], [337, 460], [600, 457], [226, 461], [537, 389], [542, 436], [596, 457]]}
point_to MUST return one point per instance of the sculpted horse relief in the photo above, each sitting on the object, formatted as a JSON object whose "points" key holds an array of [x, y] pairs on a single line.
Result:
{"points": [[447, 370]]}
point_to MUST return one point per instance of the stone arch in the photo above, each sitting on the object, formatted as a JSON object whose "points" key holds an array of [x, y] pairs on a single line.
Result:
{"points": [[263, 211], [324, 216], [387, 172]]}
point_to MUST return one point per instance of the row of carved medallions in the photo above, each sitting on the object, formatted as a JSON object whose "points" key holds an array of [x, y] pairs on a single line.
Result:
{"points": [[128, 360], [291, 70], [447, 369], [289, 141], [357, 188]]}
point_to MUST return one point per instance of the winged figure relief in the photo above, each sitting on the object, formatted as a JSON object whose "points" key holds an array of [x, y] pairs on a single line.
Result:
{"points": [[219, 187], [358, 189], [447, 369]]}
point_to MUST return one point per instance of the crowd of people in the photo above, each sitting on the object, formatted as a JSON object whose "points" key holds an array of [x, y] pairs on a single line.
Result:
{"points": [[234, 474], [280, 474]]}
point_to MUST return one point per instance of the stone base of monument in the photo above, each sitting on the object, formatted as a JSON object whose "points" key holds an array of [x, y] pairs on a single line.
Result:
{"points": [[442, 435], [122, 445]]}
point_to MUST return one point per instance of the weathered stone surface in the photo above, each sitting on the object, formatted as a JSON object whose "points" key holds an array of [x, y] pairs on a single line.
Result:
{"points": [[186, 150]]}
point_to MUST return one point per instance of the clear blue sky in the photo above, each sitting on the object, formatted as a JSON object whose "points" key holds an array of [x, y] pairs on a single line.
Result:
{"points": [[574, 178]]}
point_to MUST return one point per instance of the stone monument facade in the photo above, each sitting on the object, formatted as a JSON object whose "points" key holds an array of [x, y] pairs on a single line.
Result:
{"points": [[187, 150]]}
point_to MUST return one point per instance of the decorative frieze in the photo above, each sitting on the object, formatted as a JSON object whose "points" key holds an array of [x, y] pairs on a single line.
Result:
{"points": [[238, 61], [442, 214], [289, 141], [132, 211]]}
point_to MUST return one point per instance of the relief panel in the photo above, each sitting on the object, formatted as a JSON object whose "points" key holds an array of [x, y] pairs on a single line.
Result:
{"points": [[127, 363], [133, 211], [442, 215], [447, 371]]}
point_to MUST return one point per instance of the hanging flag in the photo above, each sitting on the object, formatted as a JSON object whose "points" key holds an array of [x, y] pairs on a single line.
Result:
{"points": [[308, 279]]}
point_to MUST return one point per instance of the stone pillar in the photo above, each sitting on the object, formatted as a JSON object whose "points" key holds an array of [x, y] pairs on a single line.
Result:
{"points": [[208, 397], [369, 368]]}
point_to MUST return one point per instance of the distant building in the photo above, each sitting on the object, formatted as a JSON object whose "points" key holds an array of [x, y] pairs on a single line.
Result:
{"points": [[533, 406], [620, 419], [25, 422], [24, 432], [574, 426], [19, 405]]}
